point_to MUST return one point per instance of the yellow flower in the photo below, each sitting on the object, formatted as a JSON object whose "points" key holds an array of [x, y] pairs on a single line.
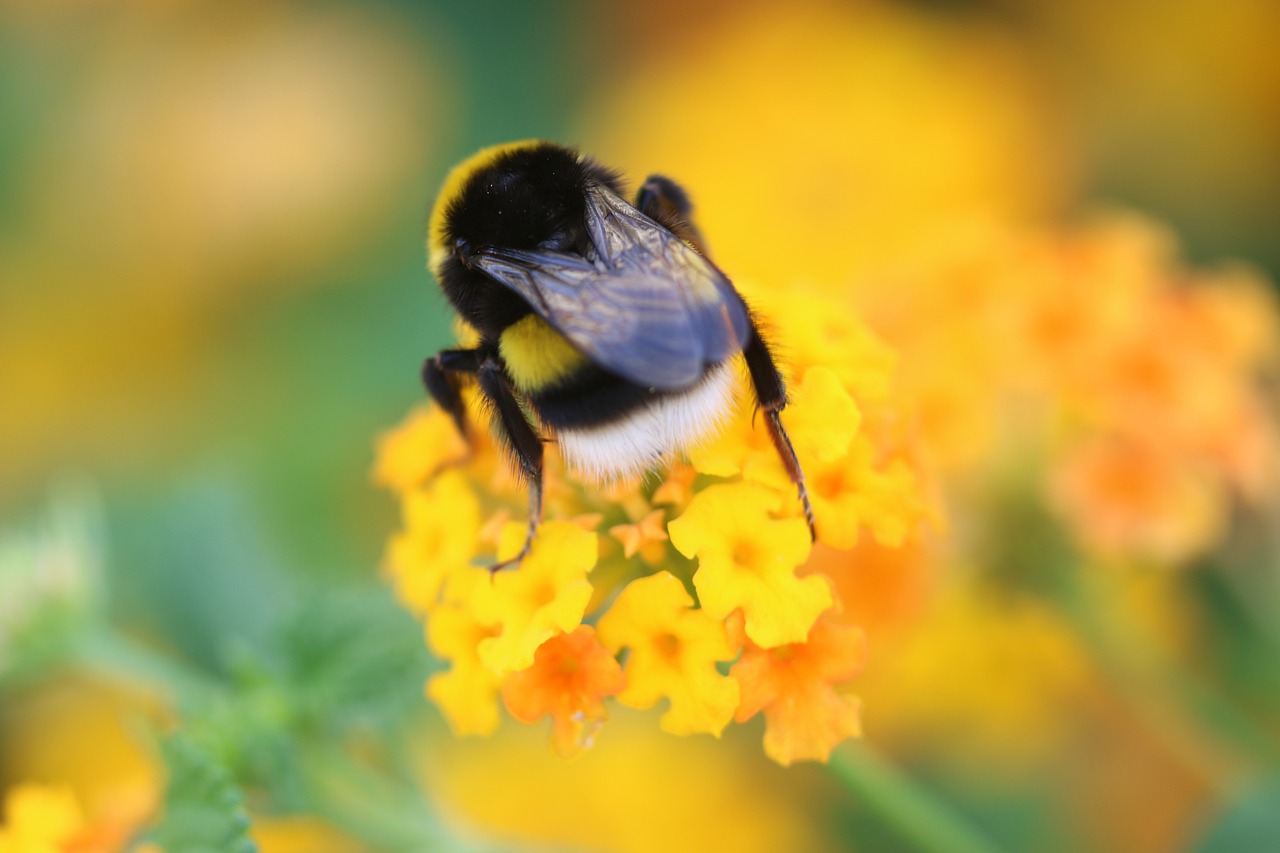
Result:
{"points": [[297, 834], [467, 694], [998, 667], [747, 559], [868, 129], [415, 450], [39, 819], [673, 654], [743, 448], [79, 735], [817, 328], [511, 792], [441, 525], [677, 488], [821, 420], [545, 596], [851, 492]]}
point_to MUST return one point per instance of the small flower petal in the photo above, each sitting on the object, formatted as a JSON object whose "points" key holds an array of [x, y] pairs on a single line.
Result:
{"points": [[854, 492], [441, 528], [545, 595], [673, 654], [640, 536], [422, 444], [570, 676], [794, 685], [747, 559], [467, 694]]}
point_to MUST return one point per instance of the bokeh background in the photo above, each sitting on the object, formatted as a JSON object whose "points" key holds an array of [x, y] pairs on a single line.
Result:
{"points": [[213, 299]]}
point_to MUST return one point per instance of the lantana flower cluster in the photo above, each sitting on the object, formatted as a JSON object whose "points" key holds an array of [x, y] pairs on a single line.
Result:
{"points": [[1094, 407], [696, 587], [1141, 391]]}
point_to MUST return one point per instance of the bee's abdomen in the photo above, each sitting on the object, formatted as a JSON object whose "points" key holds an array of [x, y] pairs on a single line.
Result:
{"points": [[607, 427], [590, 397]]}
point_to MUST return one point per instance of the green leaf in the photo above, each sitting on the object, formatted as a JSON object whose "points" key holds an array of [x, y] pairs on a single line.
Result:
{"points": [[353, 656], [203, 810]]}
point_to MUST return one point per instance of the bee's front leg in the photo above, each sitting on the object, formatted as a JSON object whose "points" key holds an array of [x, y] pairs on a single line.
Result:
{"points": [[441, 373], [524, 444]]}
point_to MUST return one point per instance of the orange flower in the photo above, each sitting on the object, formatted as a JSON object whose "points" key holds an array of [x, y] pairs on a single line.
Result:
{"points": [[794, 685], [677, 488], [570, 677], [643, 537], [1133, 497]]}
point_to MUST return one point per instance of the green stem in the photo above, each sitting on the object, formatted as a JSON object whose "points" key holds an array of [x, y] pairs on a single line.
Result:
{"points": [[916, 814]]}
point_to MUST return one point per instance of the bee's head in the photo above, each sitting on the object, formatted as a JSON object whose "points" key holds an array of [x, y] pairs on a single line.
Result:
{"points": [[523, 195]]}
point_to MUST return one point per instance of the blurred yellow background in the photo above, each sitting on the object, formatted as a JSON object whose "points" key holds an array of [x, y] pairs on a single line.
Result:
{"points": [[213, 298]]}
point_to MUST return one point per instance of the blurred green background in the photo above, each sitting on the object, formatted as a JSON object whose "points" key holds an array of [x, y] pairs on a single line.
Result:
{"points": [[213, 294]]}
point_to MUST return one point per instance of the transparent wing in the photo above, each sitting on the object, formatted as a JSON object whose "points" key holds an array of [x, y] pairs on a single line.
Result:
{"points": [[645, 306]]}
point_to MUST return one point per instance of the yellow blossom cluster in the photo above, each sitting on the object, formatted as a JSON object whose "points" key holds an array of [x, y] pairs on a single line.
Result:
{"points": [[698, 586]]}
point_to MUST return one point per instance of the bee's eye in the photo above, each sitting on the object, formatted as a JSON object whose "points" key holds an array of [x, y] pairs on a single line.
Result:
{"points": [[463, 249]]}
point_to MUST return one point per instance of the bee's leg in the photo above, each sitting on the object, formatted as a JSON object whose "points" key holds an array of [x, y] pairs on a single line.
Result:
{"points": [[441, 373], [771, 394], [665, 202], [515, 431]]}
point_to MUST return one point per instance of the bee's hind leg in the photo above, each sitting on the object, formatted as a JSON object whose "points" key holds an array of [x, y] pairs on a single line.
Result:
{"points": [[665, 202], [771, 395], [515, 431]]}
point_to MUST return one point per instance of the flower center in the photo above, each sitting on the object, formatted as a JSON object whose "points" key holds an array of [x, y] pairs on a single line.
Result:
{"points": [[542, 595], [668, 646], [747, 554]]}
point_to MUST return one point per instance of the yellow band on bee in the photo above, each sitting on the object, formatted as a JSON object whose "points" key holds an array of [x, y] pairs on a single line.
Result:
{"points": [[536, 355], [452, 187]]}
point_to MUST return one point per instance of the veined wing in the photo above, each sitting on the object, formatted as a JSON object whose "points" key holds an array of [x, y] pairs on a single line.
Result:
{"points": [[646, 306]]}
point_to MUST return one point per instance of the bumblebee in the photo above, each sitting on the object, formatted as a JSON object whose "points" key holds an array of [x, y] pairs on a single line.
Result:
{"points": [[602, 320]]}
